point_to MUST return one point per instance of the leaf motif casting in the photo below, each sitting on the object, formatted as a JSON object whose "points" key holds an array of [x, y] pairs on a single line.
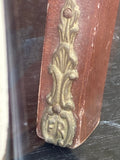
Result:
{"points": [[58, 122]]}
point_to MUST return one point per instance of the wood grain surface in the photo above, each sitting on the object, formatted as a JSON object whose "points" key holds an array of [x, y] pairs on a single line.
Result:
{"points": [[26, 52], [103, 144], [92, 46]]}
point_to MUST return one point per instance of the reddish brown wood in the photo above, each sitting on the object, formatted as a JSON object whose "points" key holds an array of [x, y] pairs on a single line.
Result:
{"points": [[93, 43]]}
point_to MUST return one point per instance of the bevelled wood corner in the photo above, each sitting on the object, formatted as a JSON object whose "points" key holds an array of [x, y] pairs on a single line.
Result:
{"points": [[76, 51]]}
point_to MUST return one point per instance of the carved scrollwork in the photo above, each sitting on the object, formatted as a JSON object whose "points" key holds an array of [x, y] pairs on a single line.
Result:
{"points": [[58, 122]]}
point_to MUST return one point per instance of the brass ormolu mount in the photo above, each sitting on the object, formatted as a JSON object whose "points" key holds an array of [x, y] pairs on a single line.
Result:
{"points": [[58, 122]]}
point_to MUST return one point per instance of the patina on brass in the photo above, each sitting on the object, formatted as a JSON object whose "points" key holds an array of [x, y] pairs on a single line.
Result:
{"points": [[58, 122]]}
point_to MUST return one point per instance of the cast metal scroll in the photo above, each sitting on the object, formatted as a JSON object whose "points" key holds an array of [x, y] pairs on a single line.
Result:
{"points": [[58, 122]]}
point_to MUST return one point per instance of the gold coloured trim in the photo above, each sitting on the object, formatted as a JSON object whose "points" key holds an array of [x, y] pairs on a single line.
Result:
{"points": [[58, 123]]}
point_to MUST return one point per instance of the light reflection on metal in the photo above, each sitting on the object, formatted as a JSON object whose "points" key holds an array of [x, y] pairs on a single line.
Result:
{"points": [[58, 122]]}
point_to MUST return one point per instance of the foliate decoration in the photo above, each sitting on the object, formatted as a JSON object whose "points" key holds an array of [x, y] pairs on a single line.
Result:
{"points": [[58, 122]]}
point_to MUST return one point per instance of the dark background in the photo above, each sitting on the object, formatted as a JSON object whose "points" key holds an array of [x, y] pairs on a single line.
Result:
{"points": [[25, 25]]}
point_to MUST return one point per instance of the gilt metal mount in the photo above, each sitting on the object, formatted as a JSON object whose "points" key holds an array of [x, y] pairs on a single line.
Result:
{"points": [[58, 122]]}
